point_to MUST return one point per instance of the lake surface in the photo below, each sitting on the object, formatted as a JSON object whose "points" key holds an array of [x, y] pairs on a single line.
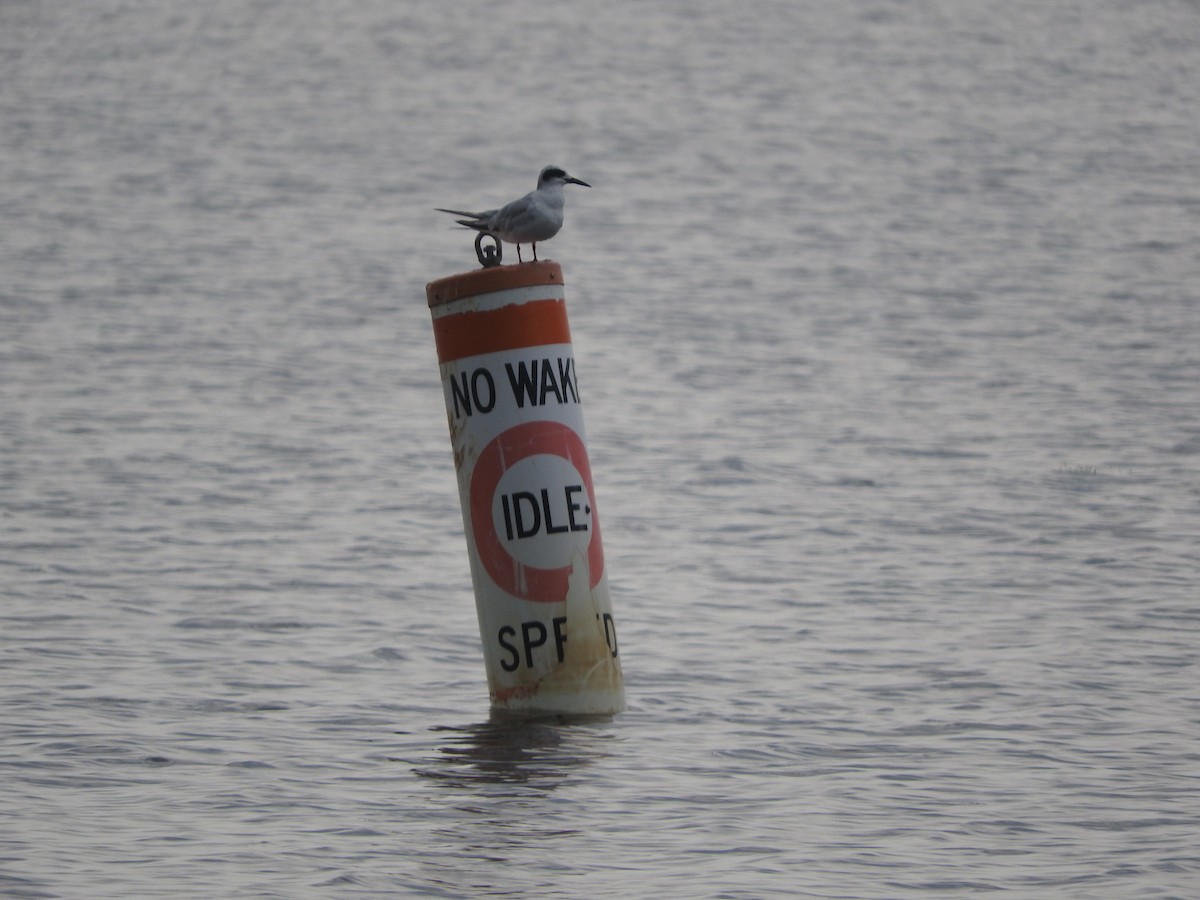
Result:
{"points": [[886, 319]]}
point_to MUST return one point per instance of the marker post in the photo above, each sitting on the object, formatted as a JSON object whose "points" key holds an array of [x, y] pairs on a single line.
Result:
{"points": [[528, 504]]}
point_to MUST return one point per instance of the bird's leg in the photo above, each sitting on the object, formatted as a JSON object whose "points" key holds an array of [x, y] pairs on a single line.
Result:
{"points": [[534, 246], [519, 254]]}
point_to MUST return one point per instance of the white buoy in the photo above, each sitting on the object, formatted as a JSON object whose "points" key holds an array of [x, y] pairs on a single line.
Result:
{"points": [[525, 483]]}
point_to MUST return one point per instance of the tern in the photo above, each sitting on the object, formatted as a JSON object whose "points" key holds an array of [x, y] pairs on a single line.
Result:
{"points": [[535, 217]]}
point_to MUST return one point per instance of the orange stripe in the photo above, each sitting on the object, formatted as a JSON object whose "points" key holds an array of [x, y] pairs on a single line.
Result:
{"points": [[512, 327], [488, 281]]}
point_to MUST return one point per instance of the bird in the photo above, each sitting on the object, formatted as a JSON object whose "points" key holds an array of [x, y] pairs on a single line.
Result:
{"points": [[535, 217]]}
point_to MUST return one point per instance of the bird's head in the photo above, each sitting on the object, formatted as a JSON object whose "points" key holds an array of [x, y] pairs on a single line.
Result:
{"points": [[555, 175]]}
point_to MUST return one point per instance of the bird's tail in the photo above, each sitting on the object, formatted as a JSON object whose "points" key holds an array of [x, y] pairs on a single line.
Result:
{"points": [[474, 220]]}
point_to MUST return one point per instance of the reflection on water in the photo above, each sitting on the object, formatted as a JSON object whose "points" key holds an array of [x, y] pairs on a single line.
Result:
{"points": [[499, 830], [510, 750]]}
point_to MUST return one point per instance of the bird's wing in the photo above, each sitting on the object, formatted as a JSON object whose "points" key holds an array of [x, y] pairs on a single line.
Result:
{"points": [[516, 216]]}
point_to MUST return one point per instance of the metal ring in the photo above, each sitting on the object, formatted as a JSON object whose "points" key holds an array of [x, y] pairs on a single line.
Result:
{"points": [[488, 256]]}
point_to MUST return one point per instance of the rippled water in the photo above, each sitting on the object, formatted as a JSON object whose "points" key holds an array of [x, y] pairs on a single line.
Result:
{"points": [[886, 325]]}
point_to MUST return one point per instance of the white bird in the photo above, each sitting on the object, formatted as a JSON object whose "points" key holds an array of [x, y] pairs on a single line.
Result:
{"points": [[535, 217]]}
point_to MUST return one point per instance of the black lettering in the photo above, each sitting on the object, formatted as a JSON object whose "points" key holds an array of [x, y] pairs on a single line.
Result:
{"points": [[523, 383], [551, 528], [462, 396], [468, 399], [532, 382], [566, 377], [528, 498], [491, 388], [527, 630], [560, 635], [507, 516], [548, 384], [610, 633], [572, 507], [509, 665]]}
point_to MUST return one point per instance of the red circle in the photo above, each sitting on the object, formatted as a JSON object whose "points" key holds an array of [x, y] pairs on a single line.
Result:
{"points": [[505, 451]]}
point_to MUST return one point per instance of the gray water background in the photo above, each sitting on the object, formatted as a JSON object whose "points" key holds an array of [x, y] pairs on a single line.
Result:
{"points": [[887, 325]]}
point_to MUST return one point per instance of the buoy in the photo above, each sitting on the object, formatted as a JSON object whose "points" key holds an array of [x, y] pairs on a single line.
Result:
{"points": [[525, 485]]}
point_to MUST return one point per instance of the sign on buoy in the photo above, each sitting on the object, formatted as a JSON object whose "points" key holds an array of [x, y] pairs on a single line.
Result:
{"points": [[525, 483]]}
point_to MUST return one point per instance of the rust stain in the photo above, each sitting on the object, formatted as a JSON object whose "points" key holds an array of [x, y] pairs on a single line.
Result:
{"points": [[589, 678]]}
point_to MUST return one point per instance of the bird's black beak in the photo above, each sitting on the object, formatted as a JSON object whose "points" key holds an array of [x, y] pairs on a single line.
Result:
{"points": [[577, 181]]}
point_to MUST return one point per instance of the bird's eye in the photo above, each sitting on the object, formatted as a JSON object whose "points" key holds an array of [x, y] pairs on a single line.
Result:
{"points": [[553, 173]]}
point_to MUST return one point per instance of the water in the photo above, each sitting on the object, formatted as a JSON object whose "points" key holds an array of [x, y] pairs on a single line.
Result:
{"points": [[886, 321]]}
